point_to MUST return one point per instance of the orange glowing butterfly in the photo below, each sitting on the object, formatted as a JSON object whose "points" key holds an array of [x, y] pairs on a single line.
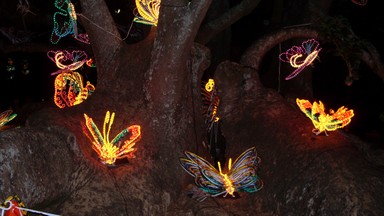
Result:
{"points": [[322, 121]]}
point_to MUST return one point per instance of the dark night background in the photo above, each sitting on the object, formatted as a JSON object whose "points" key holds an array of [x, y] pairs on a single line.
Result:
{"points": [[365, 96]]}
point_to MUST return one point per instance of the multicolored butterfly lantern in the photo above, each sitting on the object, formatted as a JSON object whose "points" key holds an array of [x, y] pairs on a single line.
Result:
{"points": [[6, 117], [240, 177], [110, 151], [322, 121], [301, 56]]}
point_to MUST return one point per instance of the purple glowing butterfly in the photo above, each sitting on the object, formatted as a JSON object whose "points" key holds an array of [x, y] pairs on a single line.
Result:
{"points": [[300, 57]]}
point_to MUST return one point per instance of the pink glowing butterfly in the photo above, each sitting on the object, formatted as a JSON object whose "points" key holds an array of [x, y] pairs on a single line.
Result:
{"points": [[360, 2], [67, 61], [301, 57]]}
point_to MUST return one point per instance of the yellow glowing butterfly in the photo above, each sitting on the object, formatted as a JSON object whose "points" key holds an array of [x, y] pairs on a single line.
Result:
{"points": [[109, 151], [322, 121], [70, 90], [148, 12]]}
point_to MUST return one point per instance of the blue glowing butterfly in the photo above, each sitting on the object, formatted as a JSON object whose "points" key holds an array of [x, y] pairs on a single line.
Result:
{"points": [[64, 20], [241, 177]]}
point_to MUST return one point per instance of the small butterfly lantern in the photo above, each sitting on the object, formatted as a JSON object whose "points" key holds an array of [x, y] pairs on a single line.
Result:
{"points": [[109, 151], [211, 103], [66, 60], [70, 90], [301, 57], [240, 177], [64, 20], [6, 117], [322, 121]]}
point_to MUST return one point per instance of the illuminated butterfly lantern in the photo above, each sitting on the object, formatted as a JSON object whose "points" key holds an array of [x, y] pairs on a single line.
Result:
{"points": [[322, 121], [6, 117], [70, 90], [13, 206], [67, 61], [216, 140], [240, 177], [148, 12], [211, 103], [65, 22], [301, 57], [109, 151]]}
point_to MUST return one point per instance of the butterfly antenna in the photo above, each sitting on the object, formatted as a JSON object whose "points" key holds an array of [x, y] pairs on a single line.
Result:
{"points": [[106, 121], [110, 125], [219, 165], [129, 30]]}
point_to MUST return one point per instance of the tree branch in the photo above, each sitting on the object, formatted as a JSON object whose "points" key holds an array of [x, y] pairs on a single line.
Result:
{"points": [[100, 26], [211, 29], [256, 52]]}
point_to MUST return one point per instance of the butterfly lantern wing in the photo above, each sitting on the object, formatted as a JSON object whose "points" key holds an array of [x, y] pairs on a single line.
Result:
{"points": [[206, 176], [98, 140], [243, 173], [306, 107], [148, 12], [340, 118], [126, 150], [313, 112]]}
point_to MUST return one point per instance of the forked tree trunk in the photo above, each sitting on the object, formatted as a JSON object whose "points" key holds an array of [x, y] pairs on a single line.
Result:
{"points": [[152, 83]]}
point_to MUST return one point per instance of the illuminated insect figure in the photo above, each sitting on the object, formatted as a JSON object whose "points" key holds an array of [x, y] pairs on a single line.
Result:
{"points": [[216, 140], [300, 57], [322, 121], [64, 20], [65, 23], [70, 90], [148, 12], [211, 103], [240, 177], [67, 61], [6, 117], [109, 151]]}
